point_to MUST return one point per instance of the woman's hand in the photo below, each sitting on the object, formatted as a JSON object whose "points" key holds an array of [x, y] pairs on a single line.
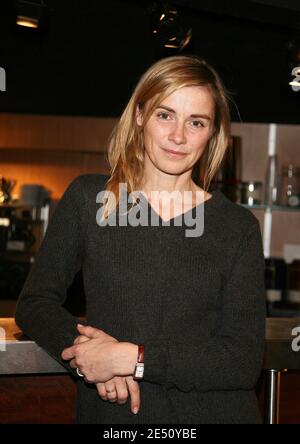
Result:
{"points": [[116, 389], [83, 338], [94, 358], [102, 357]]}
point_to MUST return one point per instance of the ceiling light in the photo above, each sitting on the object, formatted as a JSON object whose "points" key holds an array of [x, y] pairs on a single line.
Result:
{"points": [[295, 83], [169, 30], [293, 48], [29, 13], [27, 22]]}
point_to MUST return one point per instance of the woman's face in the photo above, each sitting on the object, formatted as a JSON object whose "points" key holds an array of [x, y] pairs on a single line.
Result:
{"points": [[179, 129]]}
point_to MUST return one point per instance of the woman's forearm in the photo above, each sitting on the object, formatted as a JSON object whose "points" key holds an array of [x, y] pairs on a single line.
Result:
{"points": [[124, 358]]}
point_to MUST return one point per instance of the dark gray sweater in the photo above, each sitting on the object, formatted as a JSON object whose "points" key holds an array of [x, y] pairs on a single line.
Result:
{"points": [[196, 303]]}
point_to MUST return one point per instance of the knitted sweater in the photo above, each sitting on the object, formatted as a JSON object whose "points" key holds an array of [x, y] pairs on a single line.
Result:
{"points": [[196, 303]]}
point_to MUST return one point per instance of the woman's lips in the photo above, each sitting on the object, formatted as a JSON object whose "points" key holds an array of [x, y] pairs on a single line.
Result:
{"points": [[175, 153]]}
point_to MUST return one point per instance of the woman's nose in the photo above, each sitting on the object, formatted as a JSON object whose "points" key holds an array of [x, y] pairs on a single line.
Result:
{"points": [[177, 134]]}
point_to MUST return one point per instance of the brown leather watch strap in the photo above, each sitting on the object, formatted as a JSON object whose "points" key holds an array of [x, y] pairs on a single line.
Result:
{"points": [[141, 353]]}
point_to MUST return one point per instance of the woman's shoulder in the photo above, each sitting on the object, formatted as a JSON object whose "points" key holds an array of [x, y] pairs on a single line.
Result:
{"points": [[91, 180], [83, 189], [234, 215], [87, 185]]}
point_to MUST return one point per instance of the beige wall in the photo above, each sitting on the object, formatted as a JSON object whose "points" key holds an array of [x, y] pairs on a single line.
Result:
{"points": [[52, 150]]}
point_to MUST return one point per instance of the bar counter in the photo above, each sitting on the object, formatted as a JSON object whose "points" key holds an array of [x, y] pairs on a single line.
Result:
{"points": [[24, 356], [21, 356]]}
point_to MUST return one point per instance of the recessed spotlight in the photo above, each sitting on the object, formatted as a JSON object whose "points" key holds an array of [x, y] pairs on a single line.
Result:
{"points": [[168, 28], [29, 13]]}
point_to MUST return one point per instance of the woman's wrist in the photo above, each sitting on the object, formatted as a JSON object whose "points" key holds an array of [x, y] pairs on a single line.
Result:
{"points": [[124, 358]]}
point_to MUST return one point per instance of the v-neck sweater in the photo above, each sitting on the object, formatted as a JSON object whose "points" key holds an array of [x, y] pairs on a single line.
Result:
{"points": [[196, 303]]}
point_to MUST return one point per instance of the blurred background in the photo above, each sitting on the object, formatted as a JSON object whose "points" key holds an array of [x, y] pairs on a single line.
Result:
{"points": [[86, 56], [67, 70]]}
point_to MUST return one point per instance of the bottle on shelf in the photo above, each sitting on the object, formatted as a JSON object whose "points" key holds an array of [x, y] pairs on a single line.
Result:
{"points": [[293, 290], [251, 193], [275, 284], [290, 186]]}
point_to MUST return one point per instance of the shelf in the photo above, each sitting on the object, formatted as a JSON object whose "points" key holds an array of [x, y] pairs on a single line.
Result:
{"points": [[273, 207]]}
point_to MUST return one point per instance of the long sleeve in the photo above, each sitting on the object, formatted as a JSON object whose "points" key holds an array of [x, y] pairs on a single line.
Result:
{"points": [[39, 312], [232, 358]]}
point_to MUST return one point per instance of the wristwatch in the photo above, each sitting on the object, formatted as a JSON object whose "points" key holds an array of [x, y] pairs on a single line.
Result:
{"points": [[139, 366]]}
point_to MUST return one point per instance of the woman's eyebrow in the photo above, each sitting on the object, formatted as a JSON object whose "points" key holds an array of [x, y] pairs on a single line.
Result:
{"points": [[166, 108], [202, 116]]}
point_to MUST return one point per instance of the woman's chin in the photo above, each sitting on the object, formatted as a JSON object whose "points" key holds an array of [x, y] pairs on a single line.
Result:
{"points": [[171, 168]]}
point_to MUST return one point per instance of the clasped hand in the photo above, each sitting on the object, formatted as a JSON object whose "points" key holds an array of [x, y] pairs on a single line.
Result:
{"points": [[94, 353]]}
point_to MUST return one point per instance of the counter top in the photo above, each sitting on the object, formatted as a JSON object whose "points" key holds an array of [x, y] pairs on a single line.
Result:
{"points": [[279, 354], [20, 355]]}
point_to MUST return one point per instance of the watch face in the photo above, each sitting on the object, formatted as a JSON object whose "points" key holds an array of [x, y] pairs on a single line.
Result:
{"points": [[139, 370]]}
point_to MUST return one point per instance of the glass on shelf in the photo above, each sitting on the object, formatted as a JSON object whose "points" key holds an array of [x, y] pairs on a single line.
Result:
{"points": [[251, 193], [293, 294], [282, 287], [275, 279], [290, 186]]}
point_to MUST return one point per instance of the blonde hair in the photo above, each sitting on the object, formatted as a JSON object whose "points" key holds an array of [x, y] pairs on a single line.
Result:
{"points": [[126, 144]]}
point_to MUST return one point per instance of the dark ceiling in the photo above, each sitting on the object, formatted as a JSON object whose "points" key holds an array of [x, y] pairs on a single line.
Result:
{"points": [[91, 53]]}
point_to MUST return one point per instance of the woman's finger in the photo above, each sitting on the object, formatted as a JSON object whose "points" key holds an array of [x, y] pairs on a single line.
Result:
{"points": [[73, 364], [111, 392], [80, 339], [101, 390], [114, 390], [134, 392], [121, 388]]}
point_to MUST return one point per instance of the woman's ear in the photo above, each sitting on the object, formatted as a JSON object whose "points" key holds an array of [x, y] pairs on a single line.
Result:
{"points": [[138, 115]]}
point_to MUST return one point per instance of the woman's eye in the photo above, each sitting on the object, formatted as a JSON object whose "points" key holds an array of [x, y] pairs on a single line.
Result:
{"points": [[197, 124], [163, 116]]}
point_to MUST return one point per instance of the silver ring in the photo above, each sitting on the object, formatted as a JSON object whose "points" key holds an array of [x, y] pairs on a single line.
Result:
{"points": [[78, 373]]}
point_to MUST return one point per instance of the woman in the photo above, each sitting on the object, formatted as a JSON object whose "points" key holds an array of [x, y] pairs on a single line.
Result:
{"points": [[193, 299]]}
